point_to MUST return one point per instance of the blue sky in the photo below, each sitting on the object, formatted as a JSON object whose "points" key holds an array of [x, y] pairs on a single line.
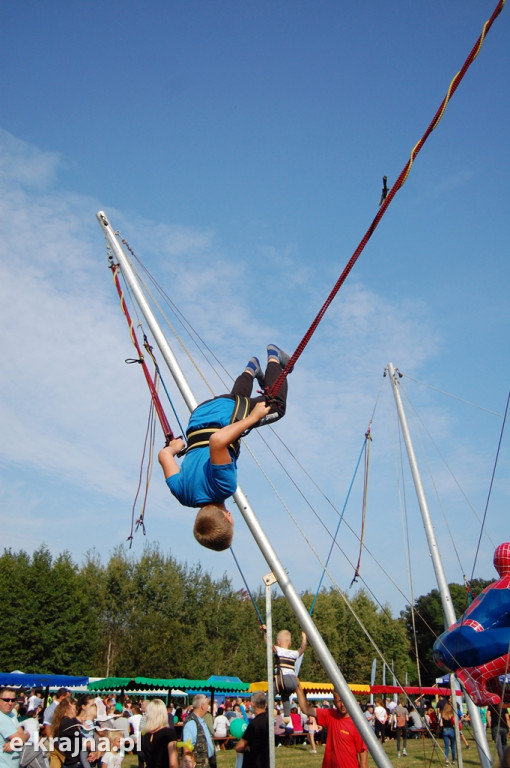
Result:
{"points": [[240, 149]]}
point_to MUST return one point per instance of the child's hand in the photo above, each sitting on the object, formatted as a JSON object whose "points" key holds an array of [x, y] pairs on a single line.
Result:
{"points": [[166, 457], [261, 409], [175, 446]]}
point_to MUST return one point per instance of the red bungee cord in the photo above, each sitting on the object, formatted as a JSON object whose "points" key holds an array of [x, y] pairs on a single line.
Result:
{"points": [[385, 203], [165, 426]]}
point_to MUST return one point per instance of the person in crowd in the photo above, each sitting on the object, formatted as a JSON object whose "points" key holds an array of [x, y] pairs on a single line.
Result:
{"points": [[295, 719], [461, 720], [197, 733], [178, 715], [86, 714], [221, 725], [344, 745], [107, 720], [66, 708], [31, 724], [188, 760], [254, 743], [9, 730], [208, 474], [73, 735], [279, 728], [121, 720], [209, 721], [369, 715], [61, 694], [431, 720], [35, 700], [100, 708], [313, 728], [113, 755], [498, 721], [447, 724], [505, 758], [134, 720], [401, 715], [381, 718], [159, 741], [415, 721]]}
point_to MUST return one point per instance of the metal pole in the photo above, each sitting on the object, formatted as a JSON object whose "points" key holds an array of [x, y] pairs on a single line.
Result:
{"points": [[131, 279], [446, 599], [297, 605], [269, 580]]}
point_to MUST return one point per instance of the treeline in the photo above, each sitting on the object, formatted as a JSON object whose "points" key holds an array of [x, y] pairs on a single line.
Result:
{"points": [[155, 617]]}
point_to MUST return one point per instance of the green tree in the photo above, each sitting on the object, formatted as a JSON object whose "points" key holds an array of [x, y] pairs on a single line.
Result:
{"points": [[50, 617]]}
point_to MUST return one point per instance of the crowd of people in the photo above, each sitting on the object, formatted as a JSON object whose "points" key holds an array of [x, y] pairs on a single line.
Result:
{"points": [[97, 732], [401, 721]]}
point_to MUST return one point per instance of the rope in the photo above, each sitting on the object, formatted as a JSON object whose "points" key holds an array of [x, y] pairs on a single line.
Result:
{"points": [[386, 202], [247, 587], [165, 426], [368, 440], [491, 484], [149, 440], [338, 527], [148, 348], [179, 316]]}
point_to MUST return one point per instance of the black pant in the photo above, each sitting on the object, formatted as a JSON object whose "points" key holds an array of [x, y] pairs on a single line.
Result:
{"points": [[243, 385]]}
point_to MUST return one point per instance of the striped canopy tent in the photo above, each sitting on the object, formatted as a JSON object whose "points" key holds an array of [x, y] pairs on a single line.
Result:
{"points": [[28, 680], [359, 689], [43, 682], [111, 684], [213, 684], [413, 690]]}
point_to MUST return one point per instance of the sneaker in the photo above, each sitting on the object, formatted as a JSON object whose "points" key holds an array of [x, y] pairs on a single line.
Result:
{"points": [[404, 752], [398, 754], [283, 357], [313, 751], [253, 365]]}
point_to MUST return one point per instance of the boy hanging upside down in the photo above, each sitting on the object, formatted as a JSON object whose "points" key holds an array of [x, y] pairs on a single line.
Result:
{"points": [[208, 474]]}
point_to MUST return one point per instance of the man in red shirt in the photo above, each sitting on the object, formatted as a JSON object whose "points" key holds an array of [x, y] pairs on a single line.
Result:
{"points": [[344, 745]]}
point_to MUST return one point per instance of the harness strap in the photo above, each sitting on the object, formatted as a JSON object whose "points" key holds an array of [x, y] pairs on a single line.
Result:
{"points": [[284, 662], [199, 438]]}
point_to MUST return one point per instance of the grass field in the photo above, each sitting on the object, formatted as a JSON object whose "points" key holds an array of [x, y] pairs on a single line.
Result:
{"points": [[421, 753]]}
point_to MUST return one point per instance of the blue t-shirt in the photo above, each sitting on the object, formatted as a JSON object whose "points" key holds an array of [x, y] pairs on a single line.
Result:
{"points": [[199, 481]]}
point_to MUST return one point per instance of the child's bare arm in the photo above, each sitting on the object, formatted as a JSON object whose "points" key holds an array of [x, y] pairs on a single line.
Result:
{"points": [[220, 440], [302, 649], [264, 630], [166, 457]]}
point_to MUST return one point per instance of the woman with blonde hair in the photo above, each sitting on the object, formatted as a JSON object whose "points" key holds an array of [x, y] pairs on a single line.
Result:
{"points": [[159, 742], [447, 724]]}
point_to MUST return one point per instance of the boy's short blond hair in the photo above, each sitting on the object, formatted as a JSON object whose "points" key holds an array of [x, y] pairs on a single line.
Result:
{"points": [[212, 529], [283, 634]]}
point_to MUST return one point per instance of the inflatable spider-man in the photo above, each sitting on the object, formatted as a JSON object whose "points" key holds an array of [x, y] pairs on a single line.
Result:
{"points": [[477, 646]]}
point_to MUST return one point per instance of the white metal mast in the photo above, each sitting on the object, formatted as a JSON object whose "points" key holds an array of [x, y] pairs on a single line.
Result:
{"points": [[446, 599], [297, 605]]}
